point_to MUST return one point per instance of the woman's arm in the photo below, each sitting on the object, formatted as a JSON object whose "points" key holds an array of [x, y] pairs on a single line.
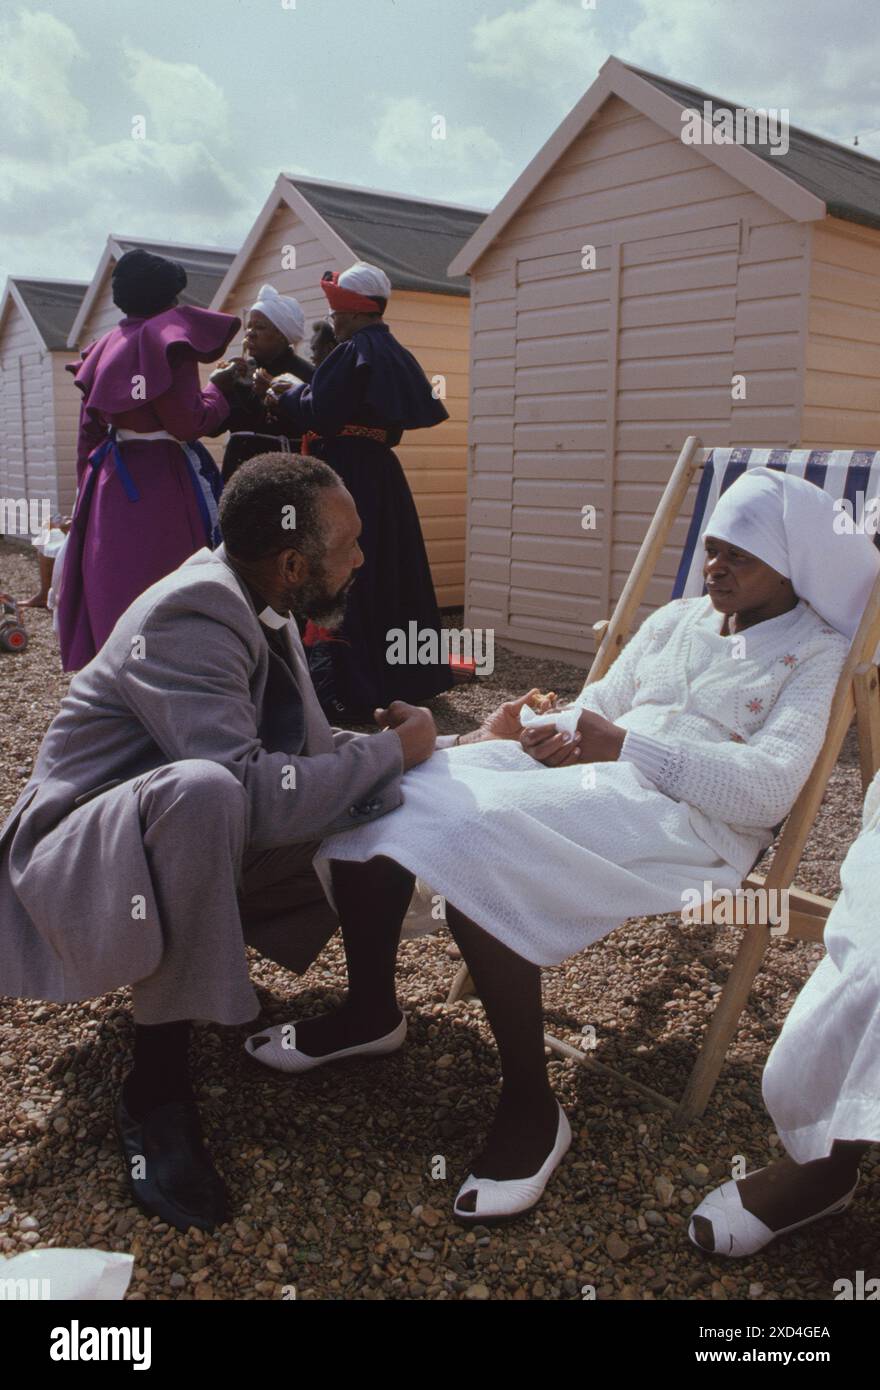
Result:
{"points": [[185, 410], [335, 394], [755, 783]]}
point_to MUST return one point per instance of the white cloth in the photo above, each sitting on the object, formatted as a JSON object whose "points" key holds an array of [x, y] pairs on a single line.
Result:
{"points": [[514, 847], [49, 541], [789, 524], [283, 311], [366, 279], [547, 862], [55, 583], [822, 1079], [61, 1275]]}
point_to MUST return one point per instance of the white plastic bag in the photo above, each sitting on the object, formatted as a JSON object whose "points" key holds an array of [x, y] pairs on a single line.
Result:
{"points": [[421, 916], [58, 1275]]}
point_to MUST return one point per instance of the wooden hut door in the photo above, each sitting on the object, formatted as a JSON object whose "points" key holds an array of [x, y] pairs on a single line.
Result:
{"points": [[672, 365]]}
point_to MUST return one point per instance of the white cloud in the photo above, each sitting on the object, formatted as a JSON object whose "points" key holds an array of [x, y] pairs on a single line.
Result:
{"points": [[547, 44], [181, 102], [62, 191], [406, 142], [40, 117]]}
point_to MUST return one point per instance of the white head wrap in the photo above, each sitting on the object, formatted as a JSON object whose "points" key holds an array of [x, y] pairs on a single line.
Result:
{"points": [[366, 279], [283, 311], [789, 524]]}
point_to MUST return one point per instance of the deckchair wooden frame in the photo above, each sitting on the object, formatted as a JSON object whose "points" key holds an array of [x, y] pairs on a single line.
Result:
{"points": [[857, 694]]}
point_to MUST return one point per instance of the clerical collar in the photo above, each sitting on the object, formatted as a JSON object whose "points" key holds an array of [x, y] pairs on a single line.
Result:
{"points": [[271, 618]]}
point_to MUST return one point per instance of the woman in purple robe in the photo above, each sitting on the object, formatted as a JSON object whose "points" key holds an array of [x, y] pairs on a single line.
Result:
{"points": [[353, 412], [146, 490]]}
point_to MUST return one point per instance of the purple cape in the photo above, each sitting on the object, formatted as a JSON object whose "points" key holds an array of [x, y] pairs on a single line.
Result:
{"points": [[142, 347]]}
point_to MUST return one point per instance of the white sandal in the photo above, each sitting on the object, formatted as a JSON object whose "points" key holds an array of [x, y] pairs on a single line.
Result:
{"points": [[738, 1232], [498, 1200], [276, 1047]]}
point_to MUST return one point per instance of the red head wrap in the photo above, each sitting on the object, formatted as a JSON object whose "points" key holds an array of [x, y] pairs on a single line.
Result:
{"points": [[348, 301]]}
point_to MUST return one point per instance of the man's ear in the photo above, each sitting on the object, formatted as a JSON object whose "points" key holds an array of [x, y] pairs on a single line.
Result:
{"points": [[293, 566]]}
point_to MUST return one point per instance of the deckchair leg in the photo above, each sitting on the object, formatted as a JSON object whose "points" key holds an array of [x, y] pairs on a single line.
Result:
{"points": [[723, 1024], [462, 984], [866, 691]]}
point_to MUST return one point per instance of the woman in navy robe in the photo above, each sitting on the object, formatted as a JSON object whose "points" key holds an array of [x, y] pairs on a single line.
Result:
{"points": [[353, 412]]}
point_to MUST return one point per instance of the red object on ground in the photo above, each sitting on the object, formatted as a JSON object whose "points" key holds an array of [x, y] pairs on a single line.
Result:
{"points": [[463, 670], [13, 634]]}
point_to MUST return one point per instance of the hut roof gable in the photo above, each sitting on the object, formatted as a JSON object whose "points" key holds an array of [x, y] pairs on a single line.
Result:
{"points": [[813, 178], [205, 267], [48, 306], [411, 238]]}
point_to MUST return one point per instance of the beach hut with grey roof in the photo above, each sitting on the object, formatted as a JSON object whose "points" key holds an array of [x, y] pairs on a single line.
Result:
{"points": [[38, 410], [649, 276]]}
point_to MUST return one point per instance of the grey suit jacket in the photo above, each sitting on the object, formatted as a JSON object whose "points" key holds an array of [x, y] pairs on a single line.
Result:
{"points": [[182, 675]]}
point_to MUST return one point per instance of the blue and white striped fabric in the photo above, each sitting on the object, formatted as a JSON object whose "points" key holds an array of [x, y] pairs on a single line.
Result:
{"points": [[851, 474]]}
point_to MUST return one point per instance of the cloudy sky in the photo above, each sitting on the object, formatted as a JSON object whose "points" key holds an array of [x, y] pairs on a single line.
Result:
{"points": [[226, 93]]}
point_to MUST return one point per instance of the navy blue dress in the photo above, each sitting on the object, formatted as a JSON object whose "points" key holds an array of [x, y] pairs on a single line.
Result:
{"points": [[373, 383]]}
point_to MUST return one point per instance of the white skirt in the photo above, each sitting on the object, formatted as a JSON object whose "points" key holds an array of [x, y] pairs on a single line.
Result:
{"points": [[822, 1079], [537, 856]]}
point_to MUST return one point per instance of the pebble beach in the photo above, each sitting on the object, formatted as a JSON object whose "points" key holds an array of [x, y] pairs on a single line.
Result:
{"points": [[343, 1180]]}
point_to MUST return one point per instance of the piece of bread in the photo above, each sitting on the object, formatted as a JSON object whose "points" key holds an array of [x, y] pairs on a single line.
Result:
{"points": [[541, 704]]}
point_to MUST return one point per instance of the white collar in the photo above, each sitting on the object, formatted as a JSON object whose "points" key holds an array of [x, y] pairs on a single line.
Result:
{"points": [[270, 617]]}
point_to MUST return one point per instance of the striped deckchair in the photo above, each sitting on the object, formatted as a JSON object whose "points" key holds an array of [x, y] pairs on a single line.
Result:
{"points": [[851, 478]]}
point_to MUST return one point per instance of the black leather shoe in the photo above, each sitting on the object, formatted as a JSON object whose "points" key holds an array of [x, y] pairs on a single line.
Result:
{"points": [[169, 1169]]}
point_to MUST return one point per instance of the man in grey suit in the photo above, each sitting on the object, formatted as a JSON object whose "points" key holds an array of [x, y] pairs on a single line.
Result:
{"points": [[176, 803]]}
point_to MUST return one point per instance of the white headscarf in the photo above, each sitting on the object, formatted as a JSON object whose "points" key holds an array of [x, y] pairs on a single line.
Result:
{"points": [[789, 524], [366, 279], [283, 311]]}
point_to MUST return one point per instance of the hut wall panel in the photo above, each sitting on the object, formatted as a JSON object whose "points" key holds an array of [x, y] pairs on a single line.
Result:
{"points": [[27, 445], [66, 399], [16, 344], [490, 449], [39, 428], [842, 374], [697, 279]]}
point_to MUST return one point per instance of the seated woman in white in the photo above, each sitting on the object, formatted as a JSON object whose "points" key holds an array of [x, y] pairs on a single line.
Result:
{"points": [[685, 755], [822, 1079]]}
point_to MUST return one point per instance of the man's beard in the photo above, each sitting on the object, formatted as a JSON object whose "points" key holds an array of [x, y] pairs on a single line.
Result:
{"points": [[315, 600]]}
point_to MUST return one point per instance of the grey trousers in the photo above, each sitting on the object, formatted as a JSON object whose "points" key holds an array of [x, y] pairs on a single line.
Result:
{"points": [[215, 895]]}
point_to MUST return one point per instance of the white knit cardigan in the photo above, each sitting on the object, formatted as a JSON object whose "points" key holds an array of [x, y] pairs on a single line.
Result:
{"points": [[729, 725]]}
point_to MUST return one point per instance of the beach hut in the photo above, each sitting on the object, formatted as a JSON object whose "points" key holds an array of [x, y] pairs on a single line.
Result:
{"points": [[307, 227], [646, 278], [38, 411], [205, 267]]}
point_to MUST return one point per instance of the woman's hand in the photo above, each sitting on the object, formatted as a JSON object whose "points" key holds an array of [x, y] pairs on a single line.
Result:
{"points": [[548, 746], [261, 382], [503, 722], [278, 387], [228, 375], [600, 740], [595, 740]]}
